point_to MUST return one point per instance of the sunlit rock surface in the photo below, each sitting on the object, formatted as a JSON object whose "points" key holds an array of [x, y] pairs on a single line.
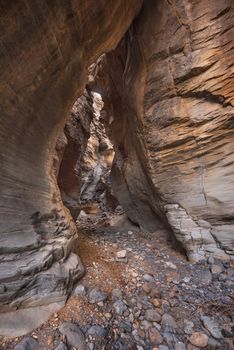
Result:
{"points": [[45, 49], [170, 102]]}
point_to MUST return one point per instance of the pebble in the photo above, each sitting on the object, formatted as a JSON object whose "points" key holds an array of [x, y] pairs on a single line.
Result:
{"points": [[211, 260], [27, 343], [188, 327], [146, 324], [192, 347], [152, 315], [163, 347], [117, 294], [126, 326], [168, 320], [212, 327], [121, 254], [134, 274], [216, 269], [170, 264], [186, 279], [213, 344], [223, 277], [96, 296], [80, 290], [119, 307], [226, 299], [155, 337], [146, 288], [91, 346], [148, 278], [97, 330], [74, 335], [61, 346], [199, 339], [180, 346], [156, 302]]}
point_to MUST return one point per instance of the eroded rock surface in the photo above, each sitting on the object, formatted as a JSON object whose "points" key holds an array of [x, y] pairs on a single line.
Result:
{"points": [[97, 161], [170, 100], [83, 158], [45, 50], [70, 150]]}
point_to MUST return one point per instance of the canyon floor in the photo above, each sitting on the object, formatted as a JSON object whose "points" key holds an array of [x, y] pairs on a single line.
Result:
{"points": [[139, 292]]}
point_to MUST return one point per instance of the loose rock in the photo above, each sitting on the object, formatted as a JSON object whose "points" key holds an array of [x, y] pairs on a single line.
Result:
{"points": [[212, 327], [152, 316], [119, 307], [148, 278], [79, 290], [188, 329], [180, 346], [155, 337], [61, 346], [74, 335], [97, 330], [117, 294], [216, 269], [168, 320], [96, 296], [199, 339], [28, 343]]}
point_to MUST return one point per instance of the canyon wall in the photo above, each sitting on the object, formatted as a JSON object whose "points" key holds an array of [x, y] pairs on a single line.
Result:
{"points": [[169, 92], [83, 157], [70, 149], [45, 49], [96, 162]]}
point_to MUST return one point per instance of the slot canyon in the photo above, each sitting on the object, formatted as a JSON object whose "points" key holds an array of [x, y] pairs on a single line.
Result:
{"points": [[117, 174]]}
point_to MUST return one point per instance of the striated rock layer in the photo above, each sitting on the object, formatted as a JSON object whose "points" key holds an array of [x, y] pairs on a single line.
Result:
{"points": [[97, 161], [170, 101], [70, 149], [45, 48], [83, 157]]}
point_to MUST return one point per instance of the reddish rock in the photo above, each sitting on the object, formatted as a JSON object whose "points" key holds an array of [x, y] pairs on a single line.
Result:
{"points": [[199, 339], [155, 337]]}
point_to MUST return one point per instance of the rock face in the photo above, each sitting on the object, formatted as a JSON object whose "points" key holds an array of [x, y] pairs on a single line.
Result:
{"points": [[170, 100], [45, 50], [70, 150], [96, 162], [83, 157]]}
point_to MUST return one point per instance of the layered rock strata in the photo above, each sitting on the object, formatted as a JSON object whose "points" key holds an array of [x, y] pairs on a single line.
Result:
{"points": [[97, 161], [45, 48], [70, 150], [170, 101]]}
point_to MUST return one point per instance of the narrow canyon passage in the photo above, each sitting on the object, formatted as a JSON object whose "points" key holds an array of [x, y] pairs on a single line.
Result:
{"points": [[119, 114]]}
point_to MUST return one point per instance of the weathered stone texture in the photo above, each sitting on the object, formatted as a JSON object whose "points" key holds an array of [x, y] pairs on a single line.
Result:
{"points": [[45, 49], [170, 91], [70, 149], [97, 160]]}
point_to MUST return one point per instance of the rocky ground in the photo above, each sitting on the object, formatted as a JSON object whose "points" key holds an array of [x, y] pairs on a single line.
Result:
{"points": [[138, 293]]}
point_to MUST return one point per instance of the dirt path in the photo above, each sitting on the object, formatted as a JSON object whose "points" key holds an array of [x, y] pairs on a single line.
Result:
{"points": [[155, 277]]}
